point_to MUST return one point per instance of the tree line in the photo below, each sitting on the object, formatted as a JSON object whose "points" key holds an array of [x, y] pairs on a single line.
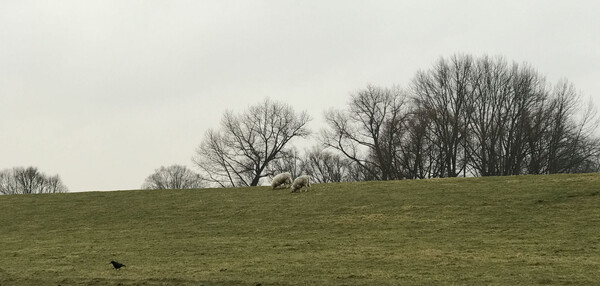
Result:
{"points": [[465, 116], [29, 180]]}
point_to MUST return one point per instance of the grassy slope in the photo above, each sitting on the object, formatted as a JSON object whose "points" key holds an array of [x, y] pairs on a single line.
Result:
{"points": [[497, 230]]}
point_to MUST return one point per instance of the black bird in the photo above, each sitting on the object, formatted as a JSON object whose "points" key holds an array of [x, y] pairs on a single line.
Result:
{"points": [[117, 265]]}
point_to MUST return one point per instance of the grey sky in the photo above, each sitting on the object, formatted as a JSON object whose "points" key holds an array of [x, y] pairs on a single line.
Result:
{"points": [[104, 92]]}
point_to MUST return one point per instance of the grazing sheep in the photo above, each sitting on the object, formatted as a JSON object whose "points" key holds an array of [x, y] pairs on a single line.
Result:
{"points": [[302, 181], [281, 179]]}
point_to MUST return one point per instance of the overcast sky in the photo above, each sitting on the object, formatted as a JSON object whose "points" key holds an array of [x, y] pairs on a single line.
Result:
{"points": [[104, 92]]}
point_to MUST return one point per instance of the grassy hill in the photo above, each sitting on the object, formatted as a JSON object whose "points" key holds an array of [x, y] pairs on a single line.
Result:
{"points": [[532, 230]]}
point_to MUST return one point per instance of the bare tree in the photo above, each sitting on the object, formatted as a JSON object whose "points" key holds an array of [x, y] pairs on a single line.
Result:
{"points": [[173, 177], [444, 94], [568, 142], [8, 183], [587, 153], [326, 167], [464, 116], [508, 112], [239, 154], [486, 117], [419, 156], [367, 131], [527, 94], [29, 181], [288, 161], [492, 83]]}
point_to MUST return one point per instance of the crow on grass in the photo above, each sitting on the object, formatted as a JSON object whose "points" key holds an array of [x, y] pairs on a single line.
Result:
{"points": [[117, 265]]}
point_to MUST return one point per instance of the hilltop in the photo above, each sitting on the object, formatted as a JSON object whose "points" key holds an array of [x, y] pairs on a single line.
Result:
{"points": [[462, 231]]}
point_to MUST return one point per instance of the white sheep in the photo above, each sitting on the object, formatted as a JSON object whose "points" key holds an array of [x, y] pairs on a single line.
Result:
{"points": [[281, 179], [302, 181]]}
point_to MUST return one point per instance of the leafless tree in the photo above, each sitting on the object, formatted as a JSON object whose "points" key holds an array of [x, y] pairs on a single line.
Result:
{"points": [[173, 177], [486, 117], [444, 94], [419, 156], [492, 83], [288, 161], [465, 116], [324, 166], [240, 152], [366, 132], [508, 111], [527, 95], [29, 180], [567, 143]]}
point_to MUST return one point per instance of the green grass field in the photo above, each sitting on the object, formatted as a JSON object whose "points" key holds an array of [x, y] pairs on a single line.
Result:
{"points": [[526, 230]]}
